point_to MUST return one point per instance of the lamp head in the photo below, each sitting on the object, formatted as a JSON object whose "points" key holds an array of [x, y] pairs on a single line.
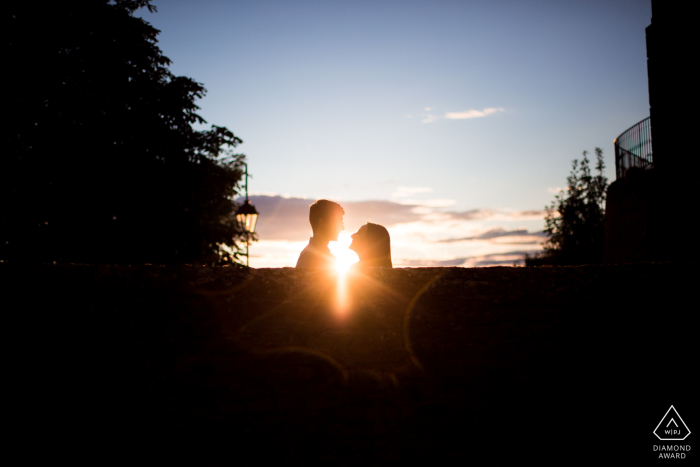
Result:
{"points": [[247, 215]]}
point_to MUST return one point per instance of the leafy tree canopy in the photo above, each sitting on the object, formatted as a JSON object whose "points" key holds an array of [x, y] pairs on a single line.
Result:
{"points": [[101, 163], [575, 219]]}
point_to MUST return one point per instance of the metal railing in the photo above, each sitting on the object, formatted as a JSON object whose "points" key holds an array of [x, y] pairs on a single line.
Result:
{"points": [[633, 148]]}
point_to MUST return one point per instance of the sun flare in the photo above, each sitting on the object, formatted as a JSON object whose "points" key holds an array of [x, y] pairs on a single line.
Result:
{"points": [[344, 256]]}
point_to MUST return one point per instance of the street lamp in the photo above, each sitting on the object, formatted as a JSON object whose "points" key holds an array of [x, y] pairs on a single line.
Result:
{"points": [[247, 216]]}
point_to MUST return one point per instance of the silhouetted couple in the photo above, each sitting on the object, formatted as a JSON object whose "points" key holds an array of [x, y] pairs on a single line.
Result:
{"points": [[371, 242]]}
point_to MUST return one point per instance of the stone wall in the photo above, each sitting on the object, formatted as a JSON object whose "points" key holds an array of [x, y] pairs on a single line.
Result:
{"points": [[643, 213], [427, 364], [635, 219]]}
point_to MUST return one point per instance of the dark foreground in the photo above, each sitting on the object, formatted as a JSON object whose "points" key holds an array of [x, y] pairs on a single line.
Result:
{"points": [[439, 365]]}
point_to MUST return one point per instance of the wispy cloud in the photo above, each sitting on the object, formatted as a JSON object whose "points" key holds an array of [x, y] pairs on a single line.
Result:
{"points": [[423, 232], [428, 117], [504, 215], [287, 218], [498, 234], [473, 113], [497, 259], [522, 215], [472, 214]]}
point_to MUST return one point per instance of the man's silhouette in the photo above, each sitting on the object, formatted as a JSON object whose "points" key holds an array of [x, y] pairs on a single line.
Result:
{"points": [[326, 218]]}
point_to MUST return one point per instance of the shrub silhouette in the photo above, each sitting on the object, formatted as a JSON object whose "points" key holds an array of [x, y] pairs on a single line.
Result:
{"points": [[574, 220]]}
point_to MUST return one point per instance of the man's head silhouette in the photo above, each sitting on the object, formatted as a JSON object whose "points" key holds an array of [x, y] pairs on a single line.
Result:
{"points": [[326, 218]]}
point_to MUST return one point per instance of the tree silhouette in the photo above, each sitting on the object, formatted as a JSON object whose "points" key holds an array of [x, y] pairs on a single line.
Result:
{"points": [[101, 163], [575, 219]]}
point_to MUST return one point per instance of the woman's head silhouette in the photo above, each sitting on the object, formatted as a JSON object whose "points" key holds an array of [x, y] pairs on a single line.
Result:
{"points": [[372, 245]]}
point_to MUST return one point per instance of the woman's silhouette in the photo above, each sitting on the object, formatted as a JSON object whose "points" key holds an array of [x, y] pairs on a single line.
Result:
{"points": [[372, 245]]}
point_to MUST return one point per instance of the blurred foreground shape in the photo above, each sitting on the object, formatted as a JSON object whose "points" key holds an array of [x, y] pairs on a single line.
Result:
{"points": [[430, 364]]}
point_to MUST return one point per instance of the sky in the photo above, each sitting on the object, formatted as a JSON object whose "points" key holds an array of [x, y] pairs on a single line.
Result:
{"points": [[451, 123]]}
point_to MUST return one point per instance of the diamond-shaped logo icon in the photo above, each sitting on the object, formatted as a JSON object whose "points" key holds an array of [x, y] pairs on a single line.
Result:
{"points": [[671, 427]]}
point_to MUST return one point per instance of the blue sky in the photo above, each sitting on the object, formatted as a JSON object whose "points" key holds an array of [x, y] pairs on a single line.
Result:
{"points": [[446, 106]]}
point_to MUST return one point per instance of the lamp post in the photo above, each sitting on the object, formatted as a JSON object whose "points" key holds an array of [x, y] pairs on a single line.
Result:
{"points": [[247, 216]]}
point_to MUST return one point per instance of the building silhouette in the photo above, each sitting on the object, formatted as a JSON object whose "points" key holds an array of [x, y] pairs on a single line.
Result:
{"points": [[653, 198]]}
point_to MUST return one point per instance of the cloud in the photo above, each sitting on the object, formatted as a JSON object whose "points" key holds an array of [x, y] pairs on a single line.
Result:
{"points": [[288, 218], [496, 259], [420, 235], [386, 213], [473, 113], [520, 236], [282, 218], [554, 190], [471, 214], [537, 214], [497, 215]]}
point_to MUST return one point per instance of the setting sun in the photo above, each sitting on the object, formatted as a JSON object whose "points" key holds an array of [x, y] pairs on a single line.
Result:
{"points": [[340, 249]]}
